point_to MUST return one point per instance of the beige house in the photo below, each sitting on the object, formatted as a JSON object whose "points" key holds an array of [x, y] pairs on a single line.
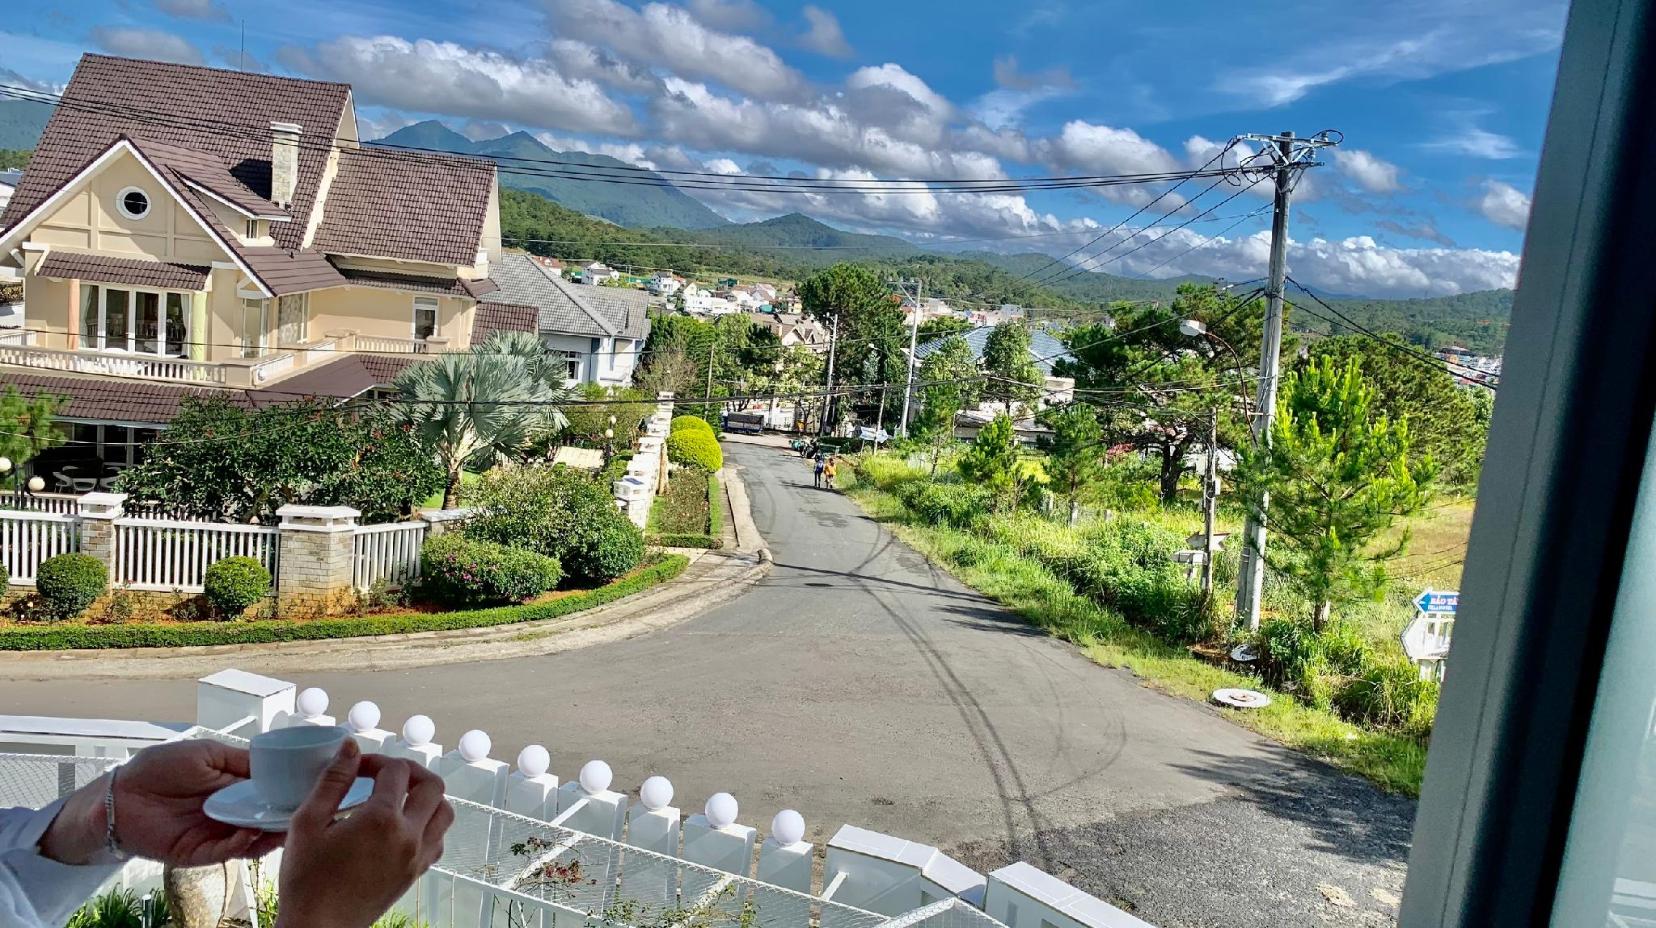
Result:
{"points": [[185, 229]]}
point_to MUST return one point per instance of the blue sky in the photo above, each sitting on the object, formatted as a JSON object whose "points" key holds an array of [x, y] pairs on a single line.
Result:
{"points": [[1442, 106]]}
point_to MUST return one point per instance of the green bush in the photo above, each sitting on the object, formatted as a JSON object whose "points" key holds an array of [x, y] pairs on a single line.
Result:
{"points": [[683, 509], [560, 513], [692, 423], [695, 448], [234, 583], [5, 580], [117, 908], [68, 583], [954, 504], [1390, 695], [691, 540], [265, 631], [460, 571]]}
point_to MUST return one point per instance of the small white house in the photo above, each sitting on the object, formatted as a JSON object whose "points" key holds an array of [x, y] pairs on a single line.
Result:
{"points": [[664, 284], [598, 333], [598, 272]]}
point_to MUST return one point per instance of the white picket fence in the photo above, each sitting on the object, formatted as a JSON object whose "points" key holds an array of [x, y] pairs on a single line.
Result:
{"points": [[164, 555], [27, 538], [61, 503], [387, 553]]}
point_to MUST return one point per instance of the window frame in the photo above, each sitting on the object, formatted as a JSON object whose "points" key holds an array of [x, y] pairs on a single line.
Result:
{"points": [[1571, 430], [259, 350], [121, 206], [436, 306], [98, 338]]}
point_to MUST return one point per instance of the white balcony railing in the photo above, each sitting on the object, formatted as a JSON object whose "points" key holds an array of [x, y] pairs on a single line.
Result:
{"points": [[393, 345], [16, 350]]}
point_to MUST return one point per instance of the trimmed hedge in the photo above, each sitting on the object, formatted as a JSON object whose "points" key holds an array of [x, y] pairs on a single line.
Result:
{"points": [[266, 631], [695, 448], [69, 583], [670, 540], [234, 583], [460, 571], [696, 423]]}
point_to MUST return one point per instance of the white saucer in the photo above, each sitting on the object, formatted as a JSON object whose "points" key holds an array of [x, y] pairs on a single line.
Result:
{"points": [[239, 804]]}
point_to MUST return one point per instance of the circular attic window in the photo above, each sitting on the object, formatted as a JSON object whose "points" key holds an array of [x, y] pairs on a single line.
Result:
{"points": [[133, 203]]}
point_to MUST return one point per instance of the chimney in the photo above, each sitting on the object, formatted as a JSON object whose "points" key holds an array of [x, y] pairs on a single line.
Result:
{"points": [[284, 162]]}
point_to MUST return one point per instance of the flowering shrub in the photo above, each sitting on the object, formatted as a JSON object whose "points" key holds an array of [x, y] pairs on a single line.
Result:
{"points": [[460, 571]]}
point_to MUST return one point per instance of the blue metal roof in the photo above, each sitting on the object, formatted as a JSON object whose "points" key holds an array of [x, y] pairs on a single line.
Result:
{"points": [[1044, 348]]}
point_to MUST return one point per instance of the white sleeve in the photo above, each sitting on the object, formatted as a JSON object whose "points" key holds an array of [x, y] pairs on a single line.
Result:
{"points": [[36, 892]]}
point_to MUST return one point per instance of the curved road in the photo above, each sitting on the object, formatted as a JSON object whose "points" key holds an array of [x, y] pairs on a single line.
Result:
{"points": [[858, 683]]}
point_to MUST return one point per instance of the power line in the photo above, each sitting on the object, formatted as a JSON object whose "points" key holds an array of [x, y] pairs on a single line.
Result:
{"points": [[1467, 373], [632, 174]]}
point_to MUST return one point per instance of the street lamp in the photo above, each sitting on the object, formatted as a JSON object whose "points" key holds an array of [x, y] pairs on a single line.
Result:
{"points": [[34, 484], [1196, 328]]}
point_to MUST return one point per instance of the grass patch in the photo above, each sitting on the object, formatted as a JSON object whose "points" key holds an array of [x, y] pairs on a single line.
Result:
{"points": [[468, 481], [63, 637], [1394, 761], [689, 514]]}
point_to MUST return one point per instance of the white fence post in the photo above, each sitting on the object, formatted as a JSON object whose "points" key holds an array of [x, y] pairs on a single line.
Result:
{"points": [[469, 773], [653, 824], [529, 788], [713, 839], [311, 708], [229, 696], [363, 720], [415, 743], [785, 857]]}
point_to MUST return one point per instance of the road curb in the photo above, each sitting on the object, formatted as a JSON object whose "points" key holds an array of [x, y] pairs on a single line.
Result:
{"points": [[711, 580], [741, 511]]}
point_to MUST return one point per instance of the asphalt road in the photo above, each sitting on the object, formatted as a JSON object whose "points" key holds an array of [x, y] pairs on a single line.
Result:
{"points": [[858, 683]]}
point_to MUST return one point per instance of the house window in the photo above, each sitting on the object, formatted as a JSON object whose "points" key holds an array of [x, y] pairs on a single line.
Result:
{"points": [[571, 362], [293, 319], [132, 202], [140, 321], [425, 317], [252, 342], [252, 228]]}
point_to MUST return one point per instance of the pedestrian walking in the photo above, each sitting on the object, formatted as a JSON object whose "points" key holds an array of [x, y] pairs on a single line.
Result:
{"points": [[828, 470], [817, 469]]}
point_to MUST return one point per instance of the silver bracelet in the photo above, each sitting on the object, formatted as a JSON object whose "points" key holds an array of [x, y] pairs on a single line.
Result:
{"points": [[110, 843]]}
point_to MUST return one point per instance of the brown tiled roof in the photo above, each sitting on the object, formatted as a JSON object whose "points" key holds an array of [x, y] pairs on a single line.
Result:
{"points": [[63, 265], [447, 286], [289, 271], [341, 378], [407, 205], [226, 113], [503, 317], [205, 169], [384, 368], [112, 398]]}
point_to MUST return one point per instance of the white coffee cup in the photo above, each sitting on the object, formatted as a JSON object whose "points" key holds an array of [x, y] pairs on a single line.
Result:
{"points": [[287, 762]]}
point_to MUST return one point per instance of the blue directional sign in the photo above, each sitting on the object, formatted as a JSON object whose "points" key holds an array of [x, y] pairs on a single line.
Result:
{"points": [[1438, 601]]}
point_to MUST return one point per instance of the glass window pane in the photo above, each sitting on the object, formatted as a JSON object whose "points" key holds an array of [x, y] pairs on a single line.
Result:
{"points": [[177, 326], [147, 322], [291, 321], [425, 316], [116, 329], [89, 316], [253, 328], [1609, 872]]}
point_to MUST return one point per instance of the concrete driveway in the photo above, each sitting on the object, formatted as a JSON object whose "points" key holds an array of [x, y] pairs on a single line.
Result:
{"points": [[858, 683]]}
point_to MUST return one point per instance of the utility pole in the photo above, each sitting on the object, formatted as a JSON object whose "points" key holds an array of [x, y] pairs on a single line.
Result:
{"points": [[1290, 155], [914, 336], [1210, 500], [711, 347], [828, 391]]}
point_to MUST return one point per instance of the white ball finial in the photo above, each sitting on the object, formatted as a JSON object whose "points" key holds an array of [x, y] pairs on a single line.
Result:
{"points": [[534, 760], [788, 828], [36, 484], [475, 745], [5, 464], [364, 716], [720, 810], [596, 776], [419, 730], [656, 793], [312, 702]]}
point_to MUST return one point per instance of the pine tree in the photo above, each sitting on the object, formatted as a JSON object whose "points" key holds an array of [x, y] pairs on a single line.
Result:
{"points": [[992, 460], [1013, 375], [1076, 455], [1338, 478]]}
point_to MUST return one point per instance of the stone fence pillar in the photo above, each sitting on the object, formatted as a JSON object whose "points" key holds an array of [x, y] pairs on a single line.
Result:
{"points": [[317, 553], [98, 512], [443, 521]]}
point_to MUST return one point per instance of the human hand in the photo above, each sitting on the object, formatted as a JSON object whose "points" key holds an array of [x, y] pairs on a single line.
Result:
{"points": [[347, 873], [158, 814]]}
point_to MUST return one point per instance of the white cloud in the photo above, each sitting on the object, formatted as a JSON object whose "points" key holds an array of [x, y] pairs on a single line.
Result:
{"points": [[1504, 205], [1369, 172], [1434, 39], [671, 37], [730, 15], [823, 34], [578, 59], [1476, 143], [442, 77], [1107, 150], [207, 10], [134, 42]]}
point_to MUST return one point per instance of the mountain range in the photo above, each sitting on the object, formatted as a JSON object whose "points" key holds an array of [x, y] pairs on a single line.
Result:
{"points": [[527, 163]]}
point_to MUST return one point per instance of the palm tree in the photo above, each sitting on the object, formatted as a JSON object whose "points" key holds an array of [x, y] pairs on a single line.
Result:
{"points": [[497, 396]]}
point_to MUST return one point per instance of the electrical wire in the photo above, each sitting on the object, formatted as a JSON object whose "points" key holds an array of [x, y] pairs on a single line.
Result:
{"points": [[1467, 373]]}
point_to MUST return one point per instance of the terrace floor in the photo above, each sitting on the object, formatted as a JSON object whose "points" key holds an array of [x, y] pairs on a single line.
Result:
{"points": [[858, 683]]}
